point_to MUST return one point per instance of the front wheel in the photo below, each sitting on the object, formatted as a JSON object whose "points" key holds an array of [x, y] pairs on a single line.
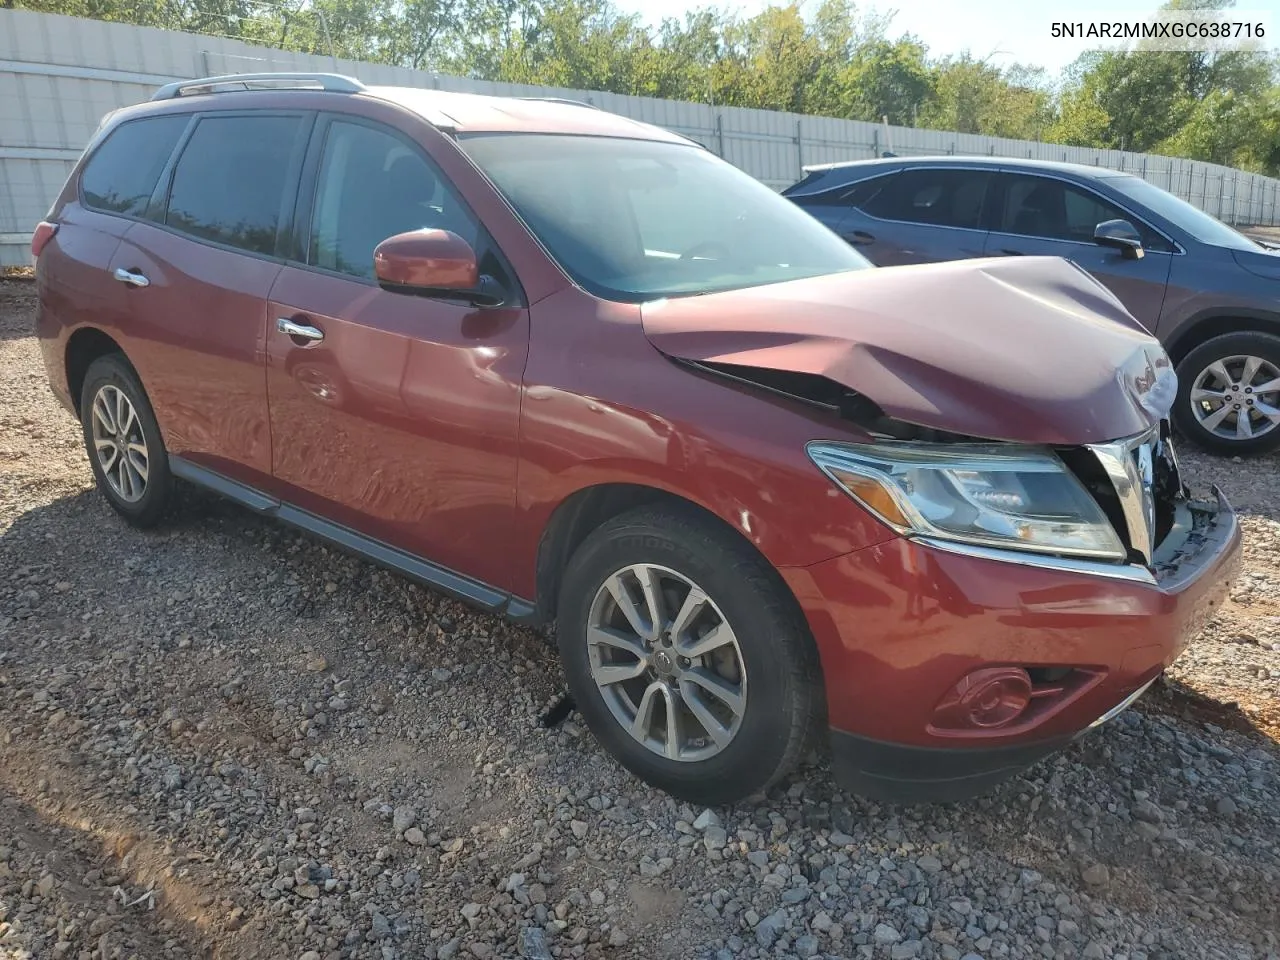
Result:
{"points": [[687, 656], [1229, 394]]}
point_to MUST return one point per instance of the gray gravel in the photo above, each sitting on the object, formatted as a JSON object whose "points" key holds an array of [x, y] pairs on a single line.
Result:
{"points": [[223, 739]]}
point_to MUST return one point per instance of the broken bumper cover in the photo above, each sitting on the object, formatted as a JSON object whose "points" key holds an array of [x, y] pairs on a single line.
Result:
{"points": [[900, 623]]}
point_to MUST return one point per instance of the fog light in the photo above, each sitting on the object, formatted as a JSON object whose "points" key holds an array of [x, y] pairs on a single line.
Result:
{"points": [[987, 698]]}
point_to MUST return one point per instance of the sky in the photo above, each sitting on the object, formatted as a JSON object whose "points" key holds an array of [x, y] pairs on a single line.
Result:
{"points": [[1008, 30]]}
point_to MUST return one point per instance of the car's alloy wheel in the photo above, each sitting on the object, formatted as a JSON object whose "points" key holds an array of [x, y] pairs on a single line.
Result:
{"points": [[667, 662], [687, 655], [123, 441], [119, 444], [1237, 397], [1229, 393]]}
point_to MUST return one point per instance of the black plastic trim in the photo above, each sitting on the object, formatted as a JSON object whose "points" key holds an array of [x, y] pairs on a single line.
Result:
{"points": [[244, 495], [898, 773], [415, 568]]}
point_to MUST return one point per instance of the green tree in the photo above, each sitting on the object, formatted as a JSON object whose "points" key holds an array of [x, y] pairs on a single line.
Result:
{"points": [[973, 96]]}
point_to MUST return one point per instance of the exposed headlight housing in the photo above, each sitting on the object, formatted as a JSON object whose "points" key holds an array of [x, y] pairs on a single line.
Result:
{"points": [[991, 495]]}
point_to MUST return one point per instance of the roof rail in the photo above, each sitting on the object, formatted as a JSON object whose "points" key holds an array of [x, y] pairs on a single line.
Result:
{"points": [[332, 82], [572, 103]]}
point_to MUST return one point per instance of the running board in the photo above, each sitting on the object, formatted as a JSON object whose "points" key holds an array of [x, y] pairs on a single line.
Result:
{"points": [[383, 554]]}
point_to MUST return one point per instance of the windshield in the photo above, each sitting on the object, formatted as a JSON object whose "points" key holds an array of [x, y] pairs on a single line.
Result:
{"points": [[637, 220], [1196, 222]]}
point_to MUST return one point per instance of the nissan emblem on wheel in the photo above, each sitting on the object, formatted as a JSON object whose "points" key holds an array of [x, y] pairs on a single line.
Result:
{"points": [[575, 369]]}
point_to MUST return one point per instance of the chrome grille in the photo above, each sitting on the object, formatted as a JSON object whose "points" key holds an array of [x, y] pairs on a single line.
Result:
{"points": [[1132, 465]]}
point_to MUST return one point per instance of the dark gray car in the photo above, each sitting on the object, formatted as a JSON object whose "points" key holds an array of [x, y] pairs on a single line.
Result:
{"points": [[1209, 293]]}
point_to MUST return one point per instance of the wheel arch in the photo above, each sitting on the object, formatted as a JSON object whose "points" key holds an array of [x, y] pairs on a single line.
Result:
{"points": [[84, 346], [1215, 323], [588, 508]]}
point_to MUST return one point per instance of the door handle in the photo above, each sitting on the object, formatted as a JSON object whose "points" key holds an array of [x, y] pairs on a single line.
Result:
{"points": [[133, 278], [299, 331], [1006, 252], [859, 238]]}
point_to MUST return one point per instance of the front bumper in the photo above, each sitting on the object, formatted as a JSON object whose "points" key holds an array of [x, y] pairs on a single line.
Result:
{"points": [[898, 624]]}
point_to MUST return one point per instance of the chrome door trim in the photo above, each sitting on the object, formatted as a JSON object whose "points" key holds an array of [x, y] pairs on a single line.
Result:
{"points": [[133, 278], [290, 328]]}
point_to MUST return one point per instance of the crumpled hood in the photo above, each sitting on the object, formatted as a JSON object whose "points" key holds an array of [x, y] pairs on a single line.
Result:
{"points": [[1028, 349]]}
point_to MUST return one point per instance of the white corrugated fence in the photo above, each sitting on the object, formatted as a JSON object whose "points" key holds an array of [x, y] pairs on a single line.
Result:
{"points": [[59, 76]]}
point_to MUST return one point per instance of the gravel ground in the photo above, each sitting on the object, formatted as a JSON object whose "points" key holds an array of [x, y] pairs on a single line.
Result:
{"points": [[224, 740]]}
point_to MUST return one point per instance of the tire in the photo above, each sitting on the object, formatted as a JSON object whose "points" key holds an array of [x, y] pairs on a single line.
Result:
{"points": [[107, 380], [1194, 372], [778, 669]]}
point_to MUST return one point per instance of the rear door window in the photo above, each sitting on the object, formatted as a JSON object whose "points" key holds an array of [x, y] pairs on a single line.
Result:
{"points": [[121, 174], [231, 184], [940, 198]]}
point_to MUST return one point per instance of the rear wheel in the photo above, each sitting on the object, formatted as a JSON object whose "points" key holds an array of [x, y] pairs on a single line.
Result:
{"points": [[123, 440], [687, 657], [1229, 394]]}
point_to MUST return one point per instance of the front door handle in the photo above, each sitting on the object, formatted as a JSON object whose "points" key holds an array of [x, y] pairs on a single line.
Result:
{"points": [[134, 278], [1007, 252], [299, 331], [859, 238]]}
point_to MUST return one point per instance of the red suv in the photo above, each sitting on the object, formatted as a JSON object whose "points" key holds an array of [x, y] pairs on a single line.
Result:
{"points": [[571, 367]]}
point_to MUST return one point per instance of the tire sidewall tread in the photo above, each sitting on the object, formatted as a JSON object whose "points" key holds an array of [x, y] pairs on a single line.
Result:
{"points": [[113, 369], [784, 690], [1254, 343]]}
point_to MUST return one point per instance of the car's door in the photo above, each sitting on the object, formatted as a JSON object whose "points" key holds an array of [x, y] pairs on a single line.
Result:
{"points": [[1046, 216], [833, 206], [198, 271], [400, 422], [920, 215]]}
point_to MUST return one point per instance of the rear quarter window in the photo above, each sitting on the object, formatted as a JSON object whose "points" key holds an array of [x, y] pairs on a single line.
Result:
{"points": [[121, 174]]}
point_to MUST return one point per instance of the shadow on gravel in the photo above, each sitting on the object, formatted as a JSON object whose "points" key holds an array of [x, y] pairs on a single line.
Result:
{"points": [[1175, 699], [1143, 795]]}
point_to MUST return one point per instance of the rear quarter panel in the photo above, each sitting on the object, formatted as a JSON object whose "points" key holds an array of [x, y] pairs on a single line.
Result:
{"points": [[75, 288]]}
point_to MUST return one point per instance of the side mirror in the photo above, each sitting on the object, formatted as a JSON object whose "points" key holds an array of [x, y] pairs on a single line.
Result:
{"points": [[1122, 235], [431, 263]]}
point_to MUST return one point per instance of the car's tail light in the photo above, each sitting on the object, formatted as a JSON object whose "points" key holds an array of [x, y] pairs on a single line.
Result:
{"points": [[43, 234]]}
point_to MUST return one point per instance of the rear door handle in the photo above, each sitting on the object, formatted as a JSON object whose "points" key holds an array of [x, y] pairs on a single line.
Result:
{"points": [[134, 278], [859, 238], [299, 331]]}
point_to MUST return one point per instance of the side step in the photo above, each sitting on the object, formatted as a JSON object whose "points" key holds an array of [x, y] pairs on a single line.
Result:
{"points": [[384, 554]]}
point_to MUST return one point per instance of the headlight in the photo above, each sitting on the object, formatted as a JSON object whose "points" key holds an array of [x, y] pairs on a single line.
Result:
{"points": [[1020, 498]]}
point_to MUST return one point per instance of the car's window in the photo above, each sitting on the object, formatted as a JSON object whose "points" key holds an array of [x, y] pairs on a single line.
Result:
{"points": [[863, 194], [122, 173], [230, 183], [371, 186], [635, 220], [940, 198], [1202, 226], [1056, 210]]}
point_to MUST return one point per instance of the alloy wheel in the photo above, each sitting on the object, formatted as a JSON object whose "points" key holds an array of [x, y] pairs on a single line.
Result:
{"points": [[667, 662], [1237, 398], [119, 443]]}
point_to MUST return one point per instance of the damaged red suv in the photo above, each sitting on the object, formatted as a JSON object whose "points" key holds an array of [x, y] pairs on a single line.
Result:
{"points": [[574, 368]]}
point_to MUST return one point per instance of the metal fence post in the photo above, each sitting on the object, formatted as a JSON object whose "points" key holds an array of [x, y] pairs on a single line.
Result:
{"points": [[720, 133], [799, 149]]}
